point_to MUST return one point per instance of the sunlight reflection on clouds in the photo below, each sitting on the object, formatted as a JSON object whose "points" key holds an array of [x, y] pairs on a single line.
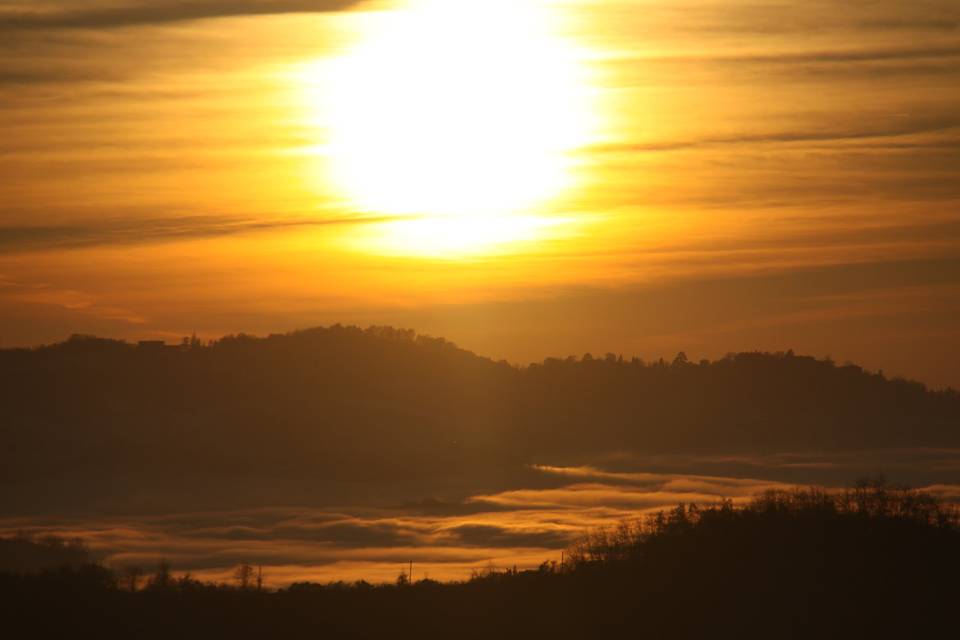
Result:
{"points": [[521, 527]]}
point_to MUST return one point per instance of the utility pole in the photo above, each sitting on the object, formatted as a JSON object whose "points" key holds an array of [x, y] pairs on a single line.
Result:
{"points": [[411, 573]]}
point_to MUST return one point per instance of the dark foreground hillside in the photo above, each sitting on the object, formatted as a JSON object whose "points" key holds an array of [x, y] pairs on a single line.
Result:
{"points": [[301, 418], [868, 563]]}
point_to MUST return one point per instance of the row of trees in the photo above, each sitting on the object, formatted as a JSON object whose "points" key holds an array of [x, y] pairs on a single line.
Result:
{"points": [[870, 501], [23, 553], [133, 578]]}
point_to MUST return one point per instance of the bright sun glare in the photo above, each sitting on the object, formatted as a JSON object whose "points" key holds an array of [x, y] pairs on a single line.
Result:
{"points": [[457, 117]]}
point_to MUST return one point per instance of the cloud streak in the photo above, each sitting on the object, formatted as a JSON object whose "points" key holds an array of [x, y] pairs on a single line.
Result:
{"points": [[134, 14], [877, 54], [932, 124], [133, 231]]}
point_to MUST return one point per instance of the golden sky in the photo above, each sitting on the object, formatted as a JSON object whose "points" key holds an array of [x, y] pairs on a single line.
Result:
{"points": [[524, 177]]}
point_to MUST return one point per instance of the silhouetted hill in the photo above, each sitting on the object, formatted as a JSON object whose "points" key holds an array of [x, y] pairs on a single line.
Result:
{"points": [[872, 562], [321, 412]]}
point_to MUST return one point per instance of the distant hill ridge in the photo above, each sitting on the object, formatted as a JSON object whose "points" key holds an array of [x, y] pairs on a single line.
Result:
{"points": [[370, 405]]}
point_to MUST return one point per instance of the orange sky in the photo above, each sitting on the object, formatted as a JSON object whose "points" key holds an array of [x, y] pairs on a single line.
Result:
{"points": [[524, 177]]}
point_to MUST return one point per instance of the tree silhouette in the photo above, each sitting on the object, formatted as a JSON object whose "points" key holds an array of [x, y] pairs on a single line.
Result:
{"points": [[163, 578], [244, 575]]}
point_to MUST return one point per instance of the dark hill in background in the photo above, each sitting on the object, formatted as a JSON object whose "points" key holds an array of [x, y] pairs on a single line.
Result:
{"points": [[331, 413]]}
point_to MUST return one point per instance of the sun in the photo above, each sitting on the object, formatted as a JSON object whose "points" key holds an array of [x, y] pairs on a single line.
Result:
{"points": [[460, 111]]}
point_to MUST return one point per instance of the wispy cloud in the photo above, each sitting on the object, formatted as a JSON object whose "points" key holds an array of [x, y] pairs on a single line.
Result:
{"points": [[130, 231], [112, 15], [835, 132], [817, 56], [807, 17]]}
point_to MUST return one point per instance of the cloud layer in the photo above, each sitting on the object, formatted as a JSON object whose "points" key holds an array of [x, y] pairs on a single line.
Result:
{"points": [[522, 526]]}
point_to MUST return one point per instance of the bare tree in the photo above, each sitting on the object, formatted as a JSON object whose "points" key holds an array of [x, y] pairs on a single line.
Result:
{"points": [[163, 578], [244, 575]]}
